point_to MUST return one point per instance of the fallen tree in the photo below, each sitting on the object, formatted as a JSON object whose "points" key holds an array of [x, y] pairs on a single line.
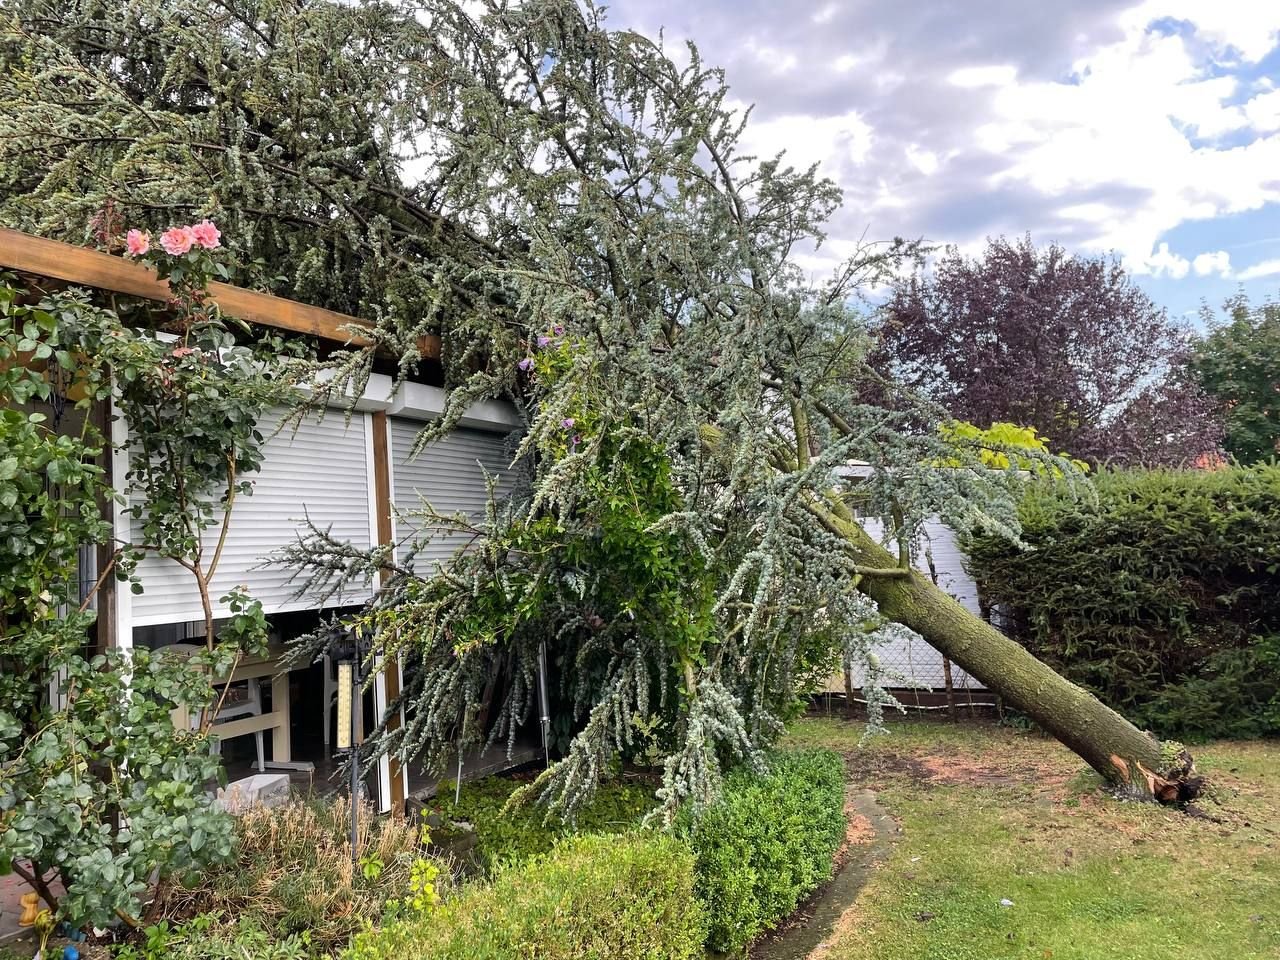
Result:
{"points": [[1134, 761], [572, 210]]}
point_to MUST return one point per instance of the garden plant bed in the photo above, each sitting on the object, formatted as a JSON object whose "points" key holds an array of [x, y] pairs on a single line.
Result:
{"points": [[477, 830]]}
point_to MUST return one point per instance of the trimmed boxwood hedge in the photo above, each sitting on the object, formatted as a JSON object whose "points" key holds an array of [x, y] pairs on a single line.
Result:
{"points": [[770, 841], [629, 895], [1163, 597]]}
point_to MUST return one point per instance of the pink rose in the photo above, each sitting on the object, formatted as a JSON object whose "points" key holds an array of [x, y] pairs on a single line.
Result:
{"points": [[206, 234], [177, 240], [137, 242]]}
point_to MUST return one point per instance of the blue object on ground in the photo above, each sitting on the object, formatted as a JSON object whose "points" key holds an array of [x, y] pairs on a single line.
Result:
{"points": [[70, 953]]}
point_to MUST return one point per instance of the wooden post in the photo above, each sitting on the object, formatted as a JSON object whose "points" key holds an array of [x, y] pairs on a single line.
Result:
{"points": [[390, 676], [951, 690], [946, 661], [105, 603]]}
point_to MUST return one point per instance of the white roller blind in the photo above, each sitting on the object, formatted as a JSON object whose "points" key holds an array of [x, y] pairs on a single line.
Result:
{"points": [[449, 473], [320, 471]]}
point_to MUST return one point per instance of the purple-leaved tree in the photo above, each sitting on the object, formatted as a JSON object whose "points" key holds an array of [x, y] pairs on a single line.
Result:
{"points": [[1062, 342]]}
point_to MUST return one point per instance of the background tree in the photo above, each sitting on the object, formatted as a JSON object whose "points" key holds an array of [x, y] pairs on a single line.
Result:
{"points": [[570, 207], [1238, 364], [1061, 342]]}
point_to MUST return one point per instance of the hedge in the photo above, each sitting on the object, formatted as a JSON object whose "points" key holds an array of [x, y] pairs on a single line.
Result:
{"points": [[628, 895], [1163, 597], [768, 843]]}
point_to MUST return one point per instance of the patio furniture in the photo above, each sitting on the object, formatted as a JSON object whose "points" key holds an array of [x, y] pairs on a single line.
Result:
{"points": [[245, 715]]}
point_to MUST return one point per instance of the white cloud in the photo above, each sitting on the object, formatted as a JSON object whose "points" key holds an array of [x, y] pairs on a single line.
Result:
{"points": [[807, 140], [1267, 268], [1130, 121], [995, 75], [1103, 125], [1089, 212], [1218, 262], [771, 58], [1161, 263], [926, 161], [825, 14], [1263, 111], [1251, 27]]}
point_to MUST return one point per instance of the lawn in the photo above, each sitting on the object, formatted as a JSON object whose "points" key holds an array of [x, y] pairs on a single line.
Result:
{"points": [[990, 814]]}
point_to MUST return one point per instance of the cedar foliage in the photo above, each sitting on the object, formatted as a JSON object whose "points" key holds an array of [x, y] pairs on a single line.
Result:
{"points": [[504, 174], [1161, 597]]}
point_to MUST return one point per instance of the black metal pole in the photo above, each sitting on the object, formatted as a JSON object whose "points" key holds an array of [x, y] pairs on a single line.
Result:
{"points": [[542, 696], [355, 764]]}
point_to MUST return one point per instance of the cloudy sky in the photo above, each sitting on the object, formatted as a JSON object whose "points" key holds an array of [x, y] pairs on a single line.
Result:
{"points": [[1146, 127]]}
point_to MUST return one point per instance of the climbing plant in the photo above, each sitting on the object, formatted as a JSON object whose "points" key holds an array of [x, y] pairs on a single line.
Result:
{"points": [[99, 792]]}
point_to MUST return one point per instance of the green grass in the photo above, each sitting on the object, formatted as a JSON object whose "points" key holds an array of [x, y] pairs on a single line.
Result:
{"points": [[990, 814]]}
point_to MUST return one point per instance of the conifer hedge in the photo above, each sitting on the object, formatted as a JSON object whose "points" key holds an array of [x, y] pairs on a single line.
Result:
{"points": [[1163, 597]]}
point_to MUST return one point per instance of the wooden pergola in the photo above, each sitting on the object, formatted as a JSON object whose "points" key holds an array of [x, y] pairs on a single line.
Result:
{"points": [[80, 266]]}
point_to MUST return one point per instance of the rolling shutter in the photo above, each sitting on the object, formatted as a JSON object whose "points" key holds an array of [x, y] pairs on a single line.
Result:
{"points": [[320, 471], [450, 474]]}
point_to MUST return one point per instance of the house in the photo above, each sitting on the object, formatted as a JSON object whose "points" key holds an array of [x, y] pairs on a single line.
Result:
{"points": [[920, 676], [352, 473]]}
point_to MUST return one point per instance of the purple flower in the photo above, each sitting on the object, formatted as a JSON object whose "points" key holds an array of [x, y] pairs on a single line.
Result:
{"points": [[526, 364], [567, 423], [543, 341], [577, 439], [558, 330]]}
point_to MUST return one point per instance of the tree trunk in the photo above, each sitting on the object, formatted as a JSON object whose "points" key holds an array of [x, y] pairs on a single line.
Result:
{"points": [[1128, 758]]}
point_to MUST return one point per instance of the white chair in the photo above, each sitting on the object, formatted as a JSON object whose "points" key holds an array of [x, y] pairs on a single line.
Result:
{"points": [[248, 706]]}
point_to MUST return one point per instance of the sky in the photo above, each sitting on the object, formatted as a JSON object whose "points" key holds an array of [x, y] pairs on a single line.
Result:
{"points": [[1146, 128]]}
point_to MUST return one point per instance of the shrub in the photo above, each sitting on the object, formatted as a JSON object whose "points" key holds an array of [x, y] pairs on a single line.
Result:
{"points": [[769, 842], [291, 873], [1161, 597], [629, 896], [527, 830]]}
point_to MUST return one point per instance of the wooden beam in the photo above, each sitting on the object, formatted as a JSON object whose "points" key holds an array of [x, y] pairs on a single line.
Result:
{"points": [[382, 506], [382, 479], [93, 268]]}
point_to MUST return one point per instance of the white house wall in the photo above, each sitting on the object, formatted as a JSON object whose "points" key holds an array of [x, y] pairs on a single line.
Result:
{"points": [[320, 471]]}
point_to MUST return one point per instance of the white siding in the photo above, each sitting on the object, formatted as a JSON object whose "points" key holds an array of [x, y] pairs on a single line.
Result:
{"points": [[914, 658], [320, 471], [449, 474]]}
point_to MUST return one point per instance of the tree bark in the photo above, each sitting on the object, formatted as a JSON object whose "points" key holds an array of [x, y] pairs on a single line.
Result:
{"points": [[1131, 760]]}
